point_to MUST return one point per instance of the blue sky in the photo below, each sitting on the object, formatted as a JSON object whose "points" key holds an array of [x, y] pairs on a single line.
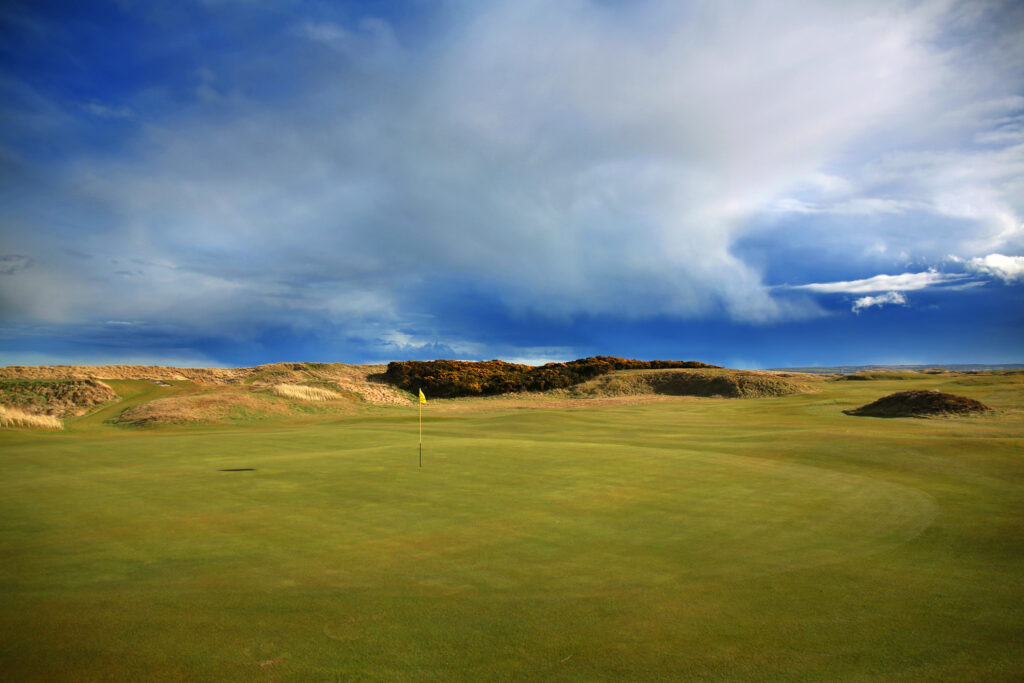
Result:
{"points": [[754, 184]]}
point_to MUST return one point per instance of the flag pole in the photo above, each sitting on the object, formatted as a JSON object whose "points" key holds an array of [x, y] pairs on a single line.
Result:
{"points": [[421, 429]]}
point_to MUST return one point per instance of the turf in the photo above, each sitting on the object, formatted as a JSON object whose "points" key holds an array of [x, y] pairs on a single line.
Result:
{"points": [[674, 539]]}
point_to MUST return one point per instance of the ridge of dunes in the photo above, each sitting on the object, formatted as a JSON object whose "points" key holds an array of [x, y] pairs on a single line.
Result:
{"points": [[230, 395], [339, 378], [245, 375], [456, 379], [709, 382]]}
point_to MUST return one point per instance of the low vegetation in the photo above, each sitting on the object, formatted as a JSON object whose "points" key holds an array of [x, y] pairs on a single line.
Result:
{"points": [[453, 378], [60, 398], [919, 403], [13, 417]]}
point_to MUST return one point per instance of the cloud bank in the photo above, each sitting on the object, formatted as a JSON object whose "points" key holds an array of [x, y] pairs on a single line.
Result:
{"points": [[558, 160]]}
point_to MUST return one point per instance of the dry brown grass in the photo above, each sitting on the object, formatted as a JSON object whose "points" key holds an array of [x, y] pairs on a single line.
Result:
{"points": [[13, 417], [305, 393]]}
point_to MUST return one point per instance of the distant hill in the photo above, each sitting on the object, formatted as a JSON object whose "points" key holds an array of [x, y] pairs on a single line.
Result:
{"points": [[850, 369]]}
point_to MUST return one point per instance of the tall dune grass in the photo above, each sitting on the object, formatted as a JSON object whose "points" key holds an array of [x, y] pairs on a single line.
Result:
{"points": [[12, 417], [305, 393]]}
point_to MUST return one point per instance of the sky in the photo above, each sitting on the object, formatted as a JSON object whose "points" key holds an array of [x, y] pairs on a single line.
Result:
{"points": [[752, 184]]}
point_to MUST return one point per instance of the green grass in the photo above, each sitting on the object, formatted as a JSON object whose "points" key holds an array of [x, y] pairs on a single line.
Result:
{"points": [[710, 539]]}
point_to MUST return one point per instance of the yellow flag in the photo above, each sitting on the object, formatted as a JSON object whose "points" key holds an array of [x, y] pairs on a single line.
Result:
{"points": [[423, 399]]}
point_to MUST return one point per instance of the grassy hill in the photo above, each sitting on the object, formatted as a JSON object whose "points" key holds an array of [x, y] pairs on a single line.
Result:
{"points": [[363, 381], [192, 395], [709, 382]]}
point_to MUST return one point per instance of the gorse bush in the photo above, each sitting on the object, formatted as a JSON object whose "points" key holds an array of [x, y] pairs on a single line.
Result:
{"points": [[452, 378]]}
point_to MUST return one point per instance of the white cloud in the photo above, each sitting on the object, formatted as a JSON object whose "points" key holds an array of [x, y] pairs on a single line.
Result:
{"points": [[104, 111], [402, 342], [1006, 268], [880, 300], [860, 206], [587, 160], [536, 360], [894, 283], [371, 37]]}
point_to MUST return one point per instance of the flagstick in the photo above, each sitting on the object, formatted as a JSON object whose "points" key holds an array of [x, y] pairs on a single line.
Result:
{"points": [[421, 434]]}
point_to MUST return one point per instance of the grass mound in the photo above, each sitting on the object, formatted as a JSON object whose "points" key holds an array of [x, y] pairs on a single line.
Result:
{"points": [[13, 417], [202, 408], [919, 403], [59, 398], [700, 382], [453, 378]]}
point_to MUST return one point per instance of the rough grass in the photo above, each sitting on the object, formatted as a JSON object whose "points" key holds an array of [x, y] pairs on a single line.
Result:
{"points": [[703, 382], [543, 539], [62, 398], [305, 393], [920, 403], [14, 417]]}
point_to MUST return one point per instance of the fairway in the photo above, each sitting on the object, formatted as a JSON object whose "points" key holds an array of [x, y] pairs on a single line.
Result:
{"points": [[682, 539]]}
